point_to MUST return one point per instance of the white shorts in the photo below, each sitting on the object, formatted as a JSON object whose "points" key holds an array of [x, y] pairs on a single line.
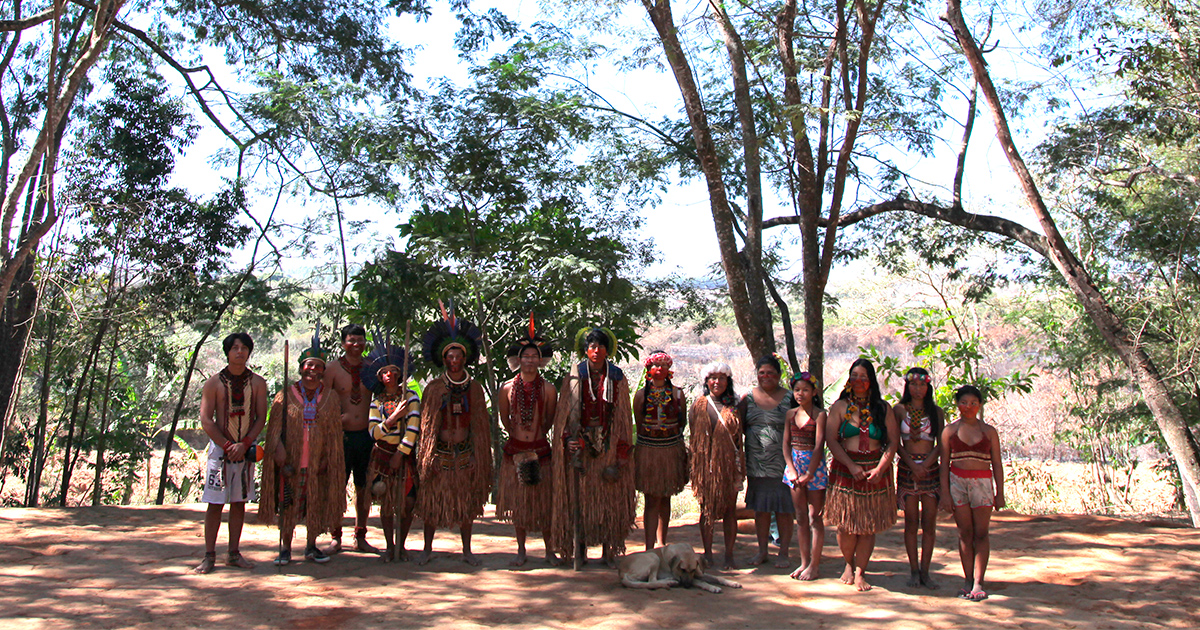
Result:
{"points": [[227, 482]]}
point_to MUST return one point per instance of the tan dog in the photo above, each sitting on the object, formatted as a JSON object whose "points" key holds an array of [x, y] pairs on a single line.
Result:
{"points": [[673, 565]]}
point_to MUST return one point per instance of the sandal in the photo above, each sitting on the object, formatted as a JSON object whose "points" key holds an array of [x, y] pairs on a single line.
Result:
{"points": [[977, 596], [206, 565], [236, 559]]}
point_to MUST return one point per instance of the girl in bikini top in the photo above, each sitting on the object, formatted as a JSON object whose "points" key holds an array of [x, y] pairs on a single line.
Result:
{"points": [[925, 427]]}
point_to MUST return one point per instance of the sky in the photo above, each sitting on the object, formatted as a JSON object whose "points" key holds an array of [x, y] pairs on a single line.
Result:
{"points": [[681, 225]]}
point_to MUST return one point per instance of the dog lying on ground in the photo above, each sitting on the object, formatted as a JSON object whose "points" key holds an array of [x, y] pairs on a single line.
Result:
{"points": [[673, 565]]}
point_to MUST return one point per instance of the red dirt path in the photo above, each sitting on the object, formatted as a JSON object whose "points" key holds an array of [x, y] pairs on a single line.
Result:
{"points": [[116, 567]]}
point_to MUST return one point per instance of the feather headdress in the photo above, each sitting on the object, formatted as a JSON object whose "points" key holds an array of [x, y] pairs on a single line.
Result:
{"points": [[451, 331], [314, 350], [581, 336], [531, 340], [383, 356]]}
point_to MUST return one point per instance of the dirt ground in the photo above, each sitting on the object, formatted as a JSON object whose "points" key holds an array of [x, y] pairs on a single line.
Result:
{"points": [[116, 567]]}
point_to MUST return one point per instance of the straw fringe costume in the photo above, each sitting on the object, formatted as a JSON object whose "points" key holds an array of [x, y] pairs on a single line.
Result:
{"points": [[608, 505], [660, 457], [315, 495], [718, 463], [455, 479]]}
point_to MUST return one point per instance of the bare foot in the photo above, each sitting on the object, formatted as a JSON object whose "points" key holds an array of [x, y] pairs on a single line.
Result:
{"points": [[470, 559], [809, 574], [403, 556], [334, 547], [553, 559], [914, 580], [782, 562], [708, 558], [236, 559], [860, 581], [800, 569], [928, 582], [848, 575], [610, 561], [519, 560], [730, 564], [361, 544], [758, 559], [424, 557], [206, 565]]}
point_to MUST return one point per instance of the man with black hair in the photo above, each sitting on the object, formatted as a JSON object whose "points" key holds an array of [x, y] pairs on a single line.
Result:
{"points": [[345, 377], [233, 411], [592, 440]]}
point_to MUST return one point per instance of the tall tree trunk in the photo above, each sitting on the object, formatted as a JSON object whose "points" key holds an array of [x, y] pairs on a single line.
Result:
{"points": [[752, 168], [63, 82], [71, 455], [37, 460], [84, 377], [1170, 420], [752, 332], [98, 486]]}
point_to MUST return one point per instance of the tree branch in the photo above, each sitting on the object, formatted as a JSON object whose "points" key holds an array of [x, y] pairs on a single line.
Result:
{"points": [[954, 215]]}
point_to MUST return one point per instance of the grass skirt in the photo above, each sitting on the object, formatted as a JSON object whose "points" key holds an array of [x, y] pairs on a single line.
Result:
{"points": [[859, 507], [523, 505], [660, 471]]}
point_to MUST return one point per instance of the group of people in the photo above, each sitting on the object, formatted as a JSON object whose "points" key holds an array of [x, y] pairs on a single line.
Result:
{"points": [[575, 456], [954, 467]]}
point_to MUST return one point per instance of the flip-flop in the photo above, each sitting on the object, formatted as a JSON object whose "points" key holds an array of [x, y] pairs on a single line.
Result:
{"points": [[977, 596], [964, 593]]}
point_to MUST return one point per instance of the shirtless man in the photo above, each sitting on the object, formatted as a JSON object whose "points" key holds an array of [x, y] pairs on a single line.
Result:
{"points": [[233, 411], [345, 377], [526, 405]]}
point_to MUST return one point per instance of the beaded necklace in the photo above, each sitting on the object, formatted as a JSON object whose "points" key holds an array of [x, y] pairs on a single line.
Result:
{"points": [[863, 408], [658, 400], [526, 399]]}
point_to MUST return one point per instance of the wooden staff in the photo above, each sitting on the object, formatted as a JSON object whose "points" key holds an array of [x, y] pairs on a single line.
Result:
{"points": [[280, 477], [576, 432], [397, 509]]}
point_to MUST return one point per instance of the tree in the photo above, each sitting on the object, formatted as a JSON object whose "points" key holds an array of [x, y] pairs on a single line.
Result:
{"points": [[1170, 420]]}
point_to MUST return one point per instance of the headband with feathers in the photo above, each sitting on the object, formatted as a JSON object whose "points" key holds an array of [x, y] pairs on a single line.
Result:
{"points": [[314, 351], [451, 331], [530, 340], [581, 336], [384, 355]]}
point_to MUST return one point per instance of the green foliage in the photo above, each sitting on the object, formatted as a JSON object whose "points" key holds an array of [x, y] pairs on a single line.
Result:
{"points": [[954, 356], [523, 207]]}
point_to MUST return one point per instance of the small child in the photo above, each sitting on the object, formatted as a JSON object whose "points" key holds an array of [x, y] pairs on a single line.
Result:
{"points": [[805, 472], [971, 464]]}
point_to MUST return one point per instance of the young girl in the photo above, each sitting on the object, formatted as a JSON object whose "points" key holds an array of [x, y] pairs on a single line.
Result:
{"points": [[970, 466], [804, 454], [917, 482]]}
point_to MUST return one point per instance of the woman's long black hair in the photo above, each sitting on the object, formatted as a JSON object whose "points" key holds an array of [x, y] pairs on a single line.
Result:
{"points": [[874, 398], [931, 408]]}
